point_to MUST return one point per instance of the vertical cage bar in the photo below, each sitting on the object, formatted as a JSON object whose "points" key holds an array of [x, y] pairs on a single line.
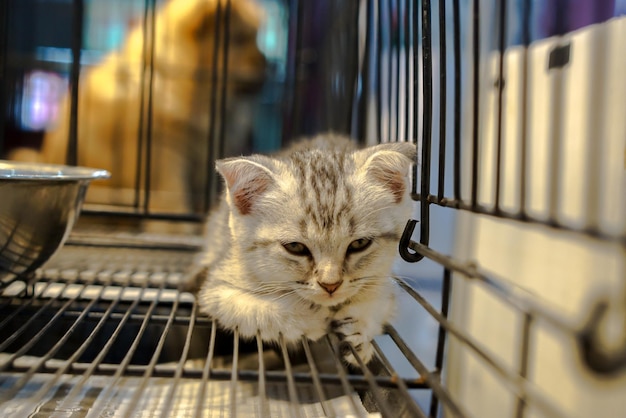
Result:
{"points": [[457, 100], [213, 150], [327, 407], [398, 64], [291, 385], [379, 71], [296, 28], [417, 108], [371, 381], [77, 41], [501, 17], [148, 159], [597, 128], [427, 95], [406, 62], [224, 81], [206, 372], [4, 56], [390, 72], [441, 337], [443, 69], [263, 404], [142, 100], [555, 147], [169, 398], [407, 70], [234, 374], [524, 121], [333, 343], [362, 93], [475, 99], [523, 367]]}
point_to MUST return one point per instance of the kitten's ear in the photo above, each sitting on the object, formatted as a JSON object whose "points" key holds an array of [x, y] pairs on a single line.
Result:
{"points": [[247, 178], [388, 164]]}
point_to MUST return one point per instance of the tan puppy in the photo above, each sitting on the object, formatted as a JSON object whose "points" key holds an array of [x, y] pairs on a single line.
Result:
{"points": [[110, 117]]}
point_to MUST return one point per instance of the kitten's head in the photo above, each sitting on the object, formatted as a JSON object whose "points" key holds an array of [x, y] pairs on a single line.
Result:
{"points": [[323, 219]]}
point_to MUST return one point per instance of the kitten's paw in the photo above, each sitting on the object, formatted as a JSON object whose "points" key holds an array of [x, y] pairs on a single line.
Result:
{"points": [[351, 331], [291, 328]]}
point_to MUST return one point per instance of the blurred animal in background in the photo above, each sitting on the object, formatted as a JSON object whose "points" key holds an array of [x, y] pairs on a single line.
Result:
{"points": [[115, 109]]}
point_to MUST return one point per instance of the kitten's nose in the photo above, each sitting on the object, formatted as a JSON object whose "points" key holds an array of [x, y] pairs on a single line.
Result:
{"points": [[330, 287]]}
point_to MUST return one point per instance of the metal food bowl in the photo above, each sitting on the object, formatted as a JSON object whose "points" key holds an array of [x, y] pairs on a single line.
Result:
{"points": [[39, 204]]}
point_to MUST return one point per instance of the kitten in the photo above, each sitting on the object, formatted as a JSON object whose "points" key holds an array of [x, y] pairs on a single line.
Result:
{"points": [[303, 242], [111, 96]]}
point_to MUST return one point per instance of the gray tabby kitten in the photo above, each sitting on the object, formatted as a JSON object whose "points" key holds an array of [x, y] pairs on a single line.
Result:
{"points": [[303, 242]]}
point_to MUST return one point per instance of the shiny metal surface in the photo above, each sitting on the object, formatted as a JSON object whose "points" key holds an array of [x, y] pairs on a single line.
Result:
{"points": [[39, 204]]}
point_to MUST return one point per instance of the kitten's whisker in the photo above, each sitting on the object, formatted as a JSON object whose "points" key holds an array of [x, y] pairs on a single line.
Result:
{"points": [[361, 278], [408, 279], [277, 297], [374, 211], [275, 290]]}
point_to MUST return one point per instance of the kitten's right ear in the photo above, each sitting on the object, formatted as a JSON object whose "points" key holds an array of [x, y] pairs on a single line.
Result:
{"points": [[247, 178], [388, 164]]}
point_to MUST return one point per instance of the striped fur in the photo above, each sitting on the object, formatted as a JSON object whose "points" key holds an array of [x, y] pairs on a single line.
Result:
{"points": [[303, 241]]}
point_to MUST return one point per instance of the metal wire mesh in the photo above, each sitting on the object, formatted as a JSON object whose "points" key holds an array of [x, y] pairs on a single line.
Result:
{"points": [[129, 321]]}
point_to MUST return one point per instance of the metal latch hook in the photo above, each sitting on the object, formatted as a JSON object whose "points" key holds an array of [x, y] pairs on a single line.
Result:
{"points": [[405, 242], [595, 357]]}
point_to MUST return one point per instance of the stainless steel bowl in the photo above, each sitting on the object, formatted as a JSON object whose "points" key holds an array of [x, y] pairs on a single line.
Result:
{"points": [[39, 204]]}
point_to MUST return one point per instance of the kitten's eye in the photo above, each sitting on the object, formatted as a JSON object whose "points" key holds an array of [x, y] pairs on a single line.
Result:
{"points": [[297, 248], [359, 245]]}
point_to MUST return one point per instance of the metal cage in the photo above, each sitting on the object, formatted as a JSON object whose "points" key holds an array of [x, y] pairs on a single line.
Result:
{"points": [[508, 101]]}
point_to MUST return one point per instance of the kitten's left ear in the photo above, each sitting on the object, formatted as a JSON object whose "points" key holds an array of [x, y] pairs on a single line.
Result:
{"points": [[388, 164], [247, 178]]}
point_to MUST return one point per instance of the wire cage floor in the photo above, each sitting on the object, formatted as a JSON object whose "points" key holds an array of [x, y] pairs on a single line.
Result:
{"points": [[106, 330]]}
